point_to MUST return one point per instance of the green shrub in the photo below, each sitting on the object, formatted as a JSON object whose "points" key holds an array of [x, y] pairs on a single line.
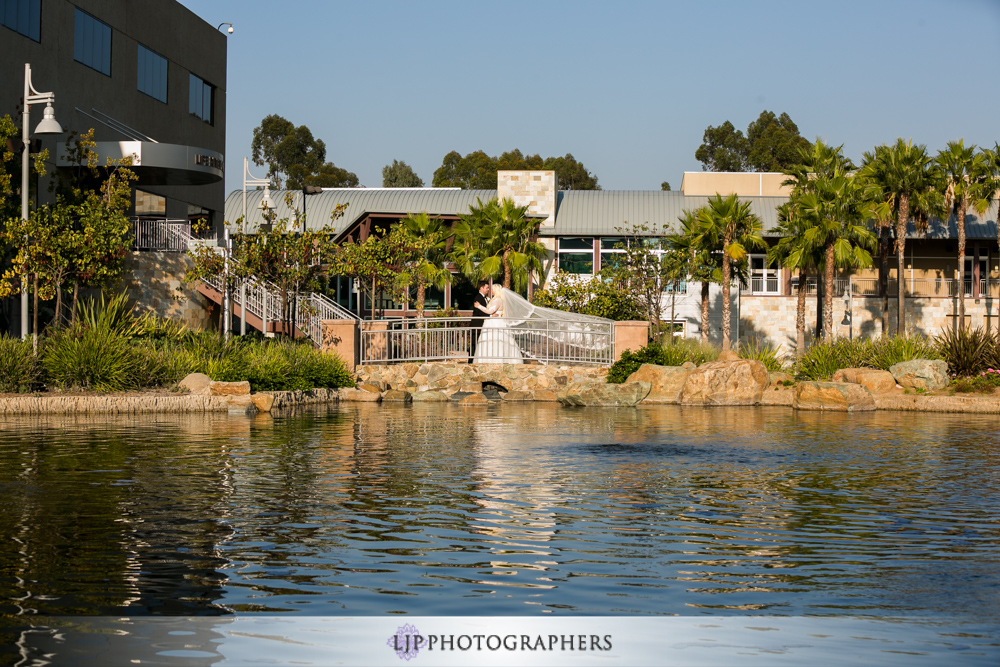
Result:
{"points": [[596, 296], [273, 365], [757, 350], [821, 361], [19, 368], [681, 350], [164, 362], [968, 352], [92, 357]]}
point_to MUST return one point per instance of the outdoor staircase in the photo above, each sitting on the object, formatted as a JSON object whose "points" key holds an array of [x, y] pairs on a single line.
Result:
{"points": [[262, 310]]}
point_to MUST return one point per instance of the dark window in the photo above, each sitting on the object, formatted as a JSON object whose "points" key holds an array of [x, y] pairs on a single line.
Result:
{"points": [[22, 16], [152, 74], [92, 43], [566, 243], [200, 99]]}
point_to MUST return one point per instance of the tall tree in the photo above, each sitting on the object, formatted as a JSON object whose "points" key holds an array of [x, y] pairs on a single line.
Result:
{"points": [[723, 148], [774, 142], [837, 207], [965, 177], [902, 179], [740, 230], [329, 176], [795, 253], [703, 246], [478, 171], [428, 236], [665, 186], [291, 153], [400, 175], [498, 239], [571, 174], [771, 143]]}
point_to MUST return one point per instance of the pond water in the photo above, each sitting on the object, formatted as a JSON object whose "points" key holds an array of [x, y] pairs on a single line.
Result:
{"points": [[510, 510]]}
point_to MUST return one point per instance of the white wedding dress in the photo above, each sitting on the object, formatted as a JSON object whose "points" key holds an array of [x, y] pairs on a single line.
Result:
{"points": [[496, 343]]}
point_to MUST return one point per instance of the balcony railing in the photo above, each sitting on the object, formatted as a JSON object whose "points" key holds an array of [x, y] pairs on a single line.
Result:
{"points": [[164, 235], [916, 287]]}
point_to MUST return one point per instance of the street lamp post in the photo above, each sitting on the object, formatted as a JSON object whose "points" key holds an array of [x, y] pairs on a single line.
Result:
{"points": [[265, 203], [47, 126]]}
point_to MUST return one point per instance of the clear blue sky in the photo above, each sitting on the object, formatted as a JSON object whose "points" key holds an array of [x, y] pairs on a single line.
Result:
{"points": [[626, 87]]}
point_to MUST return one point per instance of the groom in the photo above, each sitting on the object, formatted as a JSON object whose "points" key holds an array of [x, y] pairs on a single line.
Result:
{"points": [[476, 324]]}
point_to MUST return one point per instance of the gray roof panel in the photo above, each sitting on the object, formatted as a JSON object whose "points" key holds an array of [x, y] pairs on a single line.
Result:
{"points": [[598, 212], [360, 202], [578, 212]]}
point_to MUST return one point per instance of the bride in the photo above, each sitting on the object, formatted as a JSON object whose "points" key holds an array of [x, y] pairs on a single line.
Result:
{"points": [[496, 342]]}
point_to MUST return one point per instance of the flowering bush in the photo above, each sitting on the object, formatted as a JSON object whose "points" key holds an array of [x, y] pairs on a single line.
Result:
{"points": [[984, 383]]}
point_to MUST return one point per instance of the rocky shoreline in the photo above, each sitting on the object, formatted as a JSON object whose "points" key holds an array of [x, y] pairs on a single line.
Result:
{"points": [[730, 381]]}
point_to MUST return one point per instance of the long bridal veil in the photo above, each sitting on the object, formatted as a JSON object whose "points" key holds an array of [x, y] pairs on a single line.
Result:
{"points": [[546, 332]]}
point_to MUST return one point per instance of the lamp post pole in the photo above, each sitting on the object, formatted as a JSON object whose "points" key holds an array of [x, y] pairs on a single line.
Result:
{"points": [[47, 126]]}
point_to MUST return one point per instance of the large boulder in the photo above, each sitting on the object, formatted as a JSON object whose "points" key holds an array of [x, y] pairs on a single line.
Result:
{"points": [[431, 396], [738, 382], [926, 374], [872, 379], [607, 395], [196, 383], [230, 388], [836, 396], [666, 382], [352, 395], [397, 396]]}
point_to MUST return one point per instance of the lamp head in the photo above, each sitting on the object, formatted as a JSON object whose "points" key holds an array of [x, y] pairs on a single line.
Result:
{"points": [[49, 125], [230, 30], [265, 201]]}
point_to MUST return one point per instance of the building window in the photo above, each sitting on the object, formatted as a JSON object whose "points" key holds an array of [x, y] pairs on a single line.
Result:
{"points": [[152, 74], [576, 255], [200, 99], [23, 17], [764, 277], [92, 43], [612, 249]]}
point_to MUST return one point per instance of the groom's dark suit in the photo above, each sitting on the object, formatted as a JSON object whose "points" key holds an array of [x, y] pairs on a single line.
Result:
{"points": [[476, 324]]}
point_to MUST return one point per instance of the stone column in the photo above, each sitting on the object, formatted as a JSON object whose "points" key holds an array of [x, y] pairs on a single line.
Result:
{"points": [[630, 335]]}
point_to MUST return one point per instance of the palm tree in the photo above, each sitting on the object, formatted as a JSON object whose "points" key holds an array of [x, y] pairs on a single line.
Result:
{"points": [[731, 220], [965, 178], [836, 208], [429, 236], [795, 253], [499, 239], [902, 178], [704, 260]]}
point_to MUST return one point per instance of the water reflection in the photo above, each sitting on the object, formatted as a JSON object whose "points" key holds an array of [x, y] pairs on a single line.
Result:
{"points": [[510, 509]]}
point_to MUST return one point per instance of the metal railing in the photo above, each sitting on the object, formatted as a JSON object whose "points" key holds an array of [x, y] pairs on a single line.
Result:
{"points": [[763, 285], [505, 341], [915, 287], [264, 301], [164, 235]]}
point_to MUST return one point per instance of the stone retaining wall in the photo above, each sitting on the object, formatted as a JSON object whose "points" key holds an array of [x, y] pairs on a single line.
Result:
{"points": [[33, 405], [512, 377]]}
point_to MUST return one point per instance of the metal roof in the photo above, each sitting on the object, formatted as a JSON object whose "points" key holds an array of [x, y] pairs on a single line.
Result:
{"points": [[976, 226], [578, 212], [360, 202], [598, 212]]}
